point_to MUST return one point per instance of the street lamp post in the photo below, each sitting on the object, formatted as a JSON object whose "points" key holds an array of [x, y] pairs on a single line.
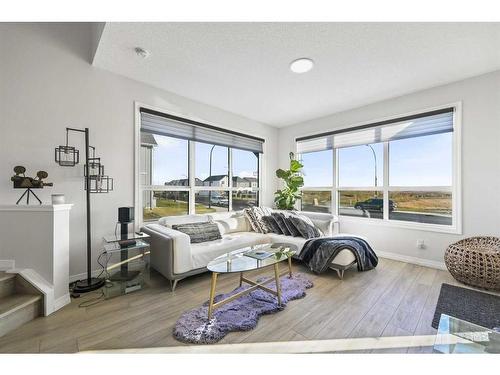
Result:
{"points": [[209, 178], [375, 160]]}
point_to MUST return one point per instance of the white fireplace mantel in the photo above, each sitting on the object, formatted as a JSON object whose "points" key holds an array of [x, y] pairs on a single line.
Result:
{"points": [[34, 241]]}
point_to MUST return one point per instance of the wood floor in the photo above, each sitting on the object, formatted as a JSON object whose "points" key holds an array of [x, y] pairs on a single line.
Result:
{"points": [[395, 299]]}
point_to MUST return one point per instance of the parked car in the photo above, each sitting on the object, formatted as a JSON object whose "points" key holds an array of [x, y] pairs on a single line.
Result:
{"points": [[218, 200], [374, 204]]}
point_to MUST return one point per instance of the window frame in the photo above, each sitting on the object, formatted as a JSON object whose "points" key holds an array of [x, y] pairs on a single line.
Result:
{"points": [[192, 189], [455, 189]]}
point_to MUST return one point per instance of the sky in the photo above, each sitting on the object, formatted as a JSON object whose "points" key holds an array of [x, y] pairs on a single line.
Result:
{"points": [[171, 160], [423, 161]]}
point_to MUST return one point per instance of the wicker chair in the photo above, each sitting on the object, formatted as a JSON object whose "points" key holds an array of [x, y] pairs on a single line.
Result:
{"points": [[475, 261]]}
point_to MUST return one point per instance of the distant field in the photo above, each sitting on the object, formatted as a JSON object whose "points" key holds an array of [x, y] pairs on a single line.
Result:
{"points": [[428, 202]]}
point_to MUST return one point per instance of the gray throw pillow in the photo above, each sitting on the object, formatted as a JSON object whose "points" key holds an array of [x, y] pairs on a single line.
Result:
{"points": [[272, 223], [305, 229], [280, 220], [199, 232], [289, 225]]}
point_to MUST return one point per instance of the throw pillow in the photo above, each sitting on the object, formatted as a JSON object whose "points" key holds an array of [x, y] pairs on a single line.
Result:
{"points": [[271, 222], [290, 226], [309, 221], [199, 232], [254, 215], [252, 219], [280, 220], [305, 229]]}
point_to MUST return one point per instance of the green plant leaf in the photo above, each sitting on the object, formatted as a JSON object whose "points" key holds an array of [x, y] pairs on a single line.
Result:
{"points": [[280, 173], [295, 166], [299, 180], [286, 197]]}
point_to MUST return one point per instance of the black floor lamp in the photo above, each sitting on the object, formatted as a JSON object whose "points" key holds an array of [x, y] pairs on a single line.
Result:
{"points": [[95, 182]]}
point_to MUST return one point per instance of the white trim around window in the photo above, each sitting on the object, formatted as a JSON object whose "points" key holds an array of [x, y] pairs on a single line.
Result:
{"points": [[455, 189], [138, 189]]}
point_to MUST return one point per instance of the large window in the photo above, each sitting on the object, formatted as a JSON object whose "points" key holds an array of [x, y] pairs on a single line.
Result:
{"points": [[318, 176], [186, 176], [400, 170]]}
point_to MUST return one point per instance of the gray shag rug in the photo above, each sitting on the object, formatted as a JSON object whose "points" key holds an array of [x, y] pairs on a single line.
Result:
{"points": [[242, 314], [475, 307]]}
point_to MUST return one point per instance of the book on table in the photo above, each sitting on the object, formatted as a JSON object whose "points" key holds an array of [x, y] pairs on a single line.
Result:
{"points": [[258, 254]]}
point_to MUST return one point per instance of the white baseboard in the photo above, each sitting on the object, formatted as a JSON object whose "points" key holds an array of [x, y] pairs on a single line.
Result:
{"points": [[7, 265], [413, 260], [83, 276], [62, 301]]}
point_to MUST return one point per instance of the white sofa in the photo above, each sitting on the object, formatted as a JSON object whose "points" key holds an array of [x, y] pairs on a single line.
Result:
{"points": [[176, 258]]}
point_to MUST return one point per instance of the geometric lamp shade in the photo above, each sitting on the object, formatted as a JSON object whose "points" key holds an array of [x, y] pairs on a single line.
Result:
{"points": [[95, 167], [100, 184], [67, 156]]}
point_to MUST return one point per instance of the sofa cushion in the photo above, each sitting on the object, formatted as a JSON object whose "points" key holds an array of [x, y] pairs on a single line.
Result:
{"points": [[344, 258], [280, 220], [281, 238], [272, 223], [323, 226], [254, 216], [305, 227], [231, 222], [199, 232], [203, 253], [168, 221], [289, 224]]}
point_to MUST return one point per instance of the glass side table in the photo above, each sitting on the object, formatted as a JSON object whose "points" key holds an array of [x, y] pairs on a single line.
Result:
{"points": [[459, 336], [127, 268]]}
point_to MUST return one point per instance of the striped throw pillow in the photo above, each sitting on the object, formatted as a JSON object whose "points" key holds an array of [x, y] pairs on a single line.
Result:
{"points": [[199, 232]]}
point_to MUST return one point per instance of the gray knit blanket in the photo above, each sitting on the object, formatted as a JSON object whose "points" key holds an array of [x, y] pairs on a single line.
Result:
{"points": [[318, 253]]}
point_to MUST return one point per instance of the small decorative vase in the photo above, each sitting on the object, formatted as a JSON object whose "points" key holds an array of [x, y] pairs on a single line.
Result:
{"points": [[57, 198]]}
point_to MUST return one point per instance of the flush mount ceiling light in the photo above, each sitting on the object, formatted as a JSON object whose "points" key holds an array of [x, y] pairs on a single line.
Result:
{"points": [[301, 65], [141, 52]]}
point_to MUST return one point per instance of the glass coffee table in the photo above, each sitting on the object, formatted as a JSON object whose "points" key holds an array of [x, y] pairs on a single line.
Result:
{"points": [[459, 336], [239, 261]]}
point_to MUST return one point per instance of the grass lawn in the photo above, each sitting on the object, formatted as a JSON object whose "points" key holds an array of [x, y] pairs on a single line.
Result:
{"points": [[169, 207]]}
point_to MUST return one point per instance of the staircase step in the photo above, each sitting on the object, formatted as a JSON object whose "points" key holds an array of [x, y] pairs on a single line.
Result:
{"points": [[17, 309], [7, 284]]}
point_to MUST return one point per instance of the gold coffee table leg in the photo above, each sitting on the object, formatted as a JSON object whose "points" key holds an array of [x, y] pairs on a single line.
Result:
{"points": [[212, 295], [241, 279], [290, 266], [278, 284]]}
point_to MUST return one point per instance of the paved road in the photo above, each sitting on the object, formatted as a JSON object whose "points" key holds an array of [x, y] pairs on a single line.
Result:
{"points": [[400, 215], [395, 215]]}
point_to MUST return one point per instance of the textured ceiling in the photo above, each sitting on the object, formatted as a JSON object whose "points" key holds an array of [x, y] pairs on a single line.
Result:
{"points": [[243, 67]]}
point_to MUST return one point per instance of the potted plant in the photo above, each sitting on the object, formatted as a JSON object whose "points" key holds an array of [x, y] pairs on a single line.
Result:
{"points": [[285, 198]]}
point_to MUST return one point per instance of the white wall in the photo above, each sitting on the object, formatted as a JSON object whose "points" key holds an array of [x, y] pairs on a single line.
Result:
{"points": [[47, 84], [480, 98]]}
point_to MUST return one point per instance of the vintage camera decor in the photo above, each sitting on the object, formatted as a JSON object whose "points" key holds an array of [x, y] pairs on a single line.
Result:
{"points": [[20, 181]]}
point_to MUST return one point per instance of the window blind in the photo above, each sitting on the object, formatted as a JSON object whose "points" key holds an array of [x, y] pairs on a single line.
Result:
{"points": [[435, 122], [173, 126]]}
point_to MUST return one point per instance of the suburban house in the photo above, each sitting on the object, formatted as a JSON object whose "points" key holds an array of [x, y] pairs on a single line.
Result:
{"points": [[217, 181], [250, 187]]}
